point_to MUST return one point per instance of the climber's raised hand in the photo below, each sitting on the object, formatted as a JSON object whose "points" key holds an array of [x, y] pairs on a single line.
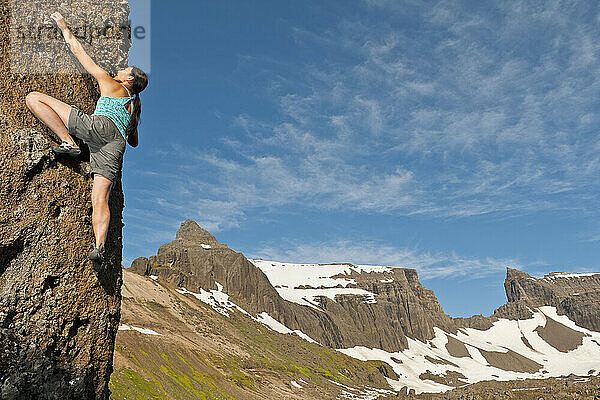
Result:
{"points": [[58, 18], [79, 52]]}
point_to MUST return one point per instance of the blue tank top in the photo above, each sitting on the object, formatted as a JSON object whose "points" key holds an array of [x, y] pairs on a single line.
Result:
{"points": [[114, 108]]}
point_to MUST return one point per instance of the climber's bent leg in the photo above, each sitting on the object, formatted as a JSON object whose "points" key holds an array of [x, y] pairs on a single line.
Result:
{"points": [[52, 112], [100, 210]]}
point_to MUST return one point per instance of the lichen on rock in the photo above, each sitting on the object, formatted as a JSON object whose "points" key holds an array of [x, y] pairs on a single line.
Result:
{"points": [[58, 320]]}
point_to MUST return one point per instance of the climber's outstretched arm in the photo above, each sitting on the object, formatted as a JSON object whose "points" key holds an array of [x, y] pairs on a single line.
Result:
{"points": [[79, 52]]}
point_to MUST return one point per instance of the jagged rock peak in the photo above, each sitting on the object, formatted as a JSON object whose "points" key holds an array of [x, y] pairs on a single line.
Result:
{"points": [[514, 291], [515, 273], [191, 231], [574, 295]]}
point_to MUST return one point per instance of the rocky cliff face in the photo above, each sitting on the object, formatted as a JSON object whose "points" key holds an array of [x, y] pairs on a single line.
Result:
{"points": [[58, 321], [401, 304], [575, 295], [197, 261]]}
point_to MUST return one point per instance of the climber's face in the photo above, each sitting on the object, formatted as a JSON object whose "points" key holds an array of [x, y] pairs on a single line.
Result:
{"points": [[124, 75]]}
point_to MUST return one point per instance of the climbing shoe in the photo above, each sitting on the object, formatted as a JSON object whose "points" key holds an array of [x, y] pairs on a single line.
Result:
{"points": [[66, 148], [98, 253]]}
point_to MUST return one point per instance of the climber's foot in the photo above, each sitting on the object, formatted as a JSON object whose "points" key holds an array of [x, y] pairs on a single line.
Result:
{"points": [[66, 148], [98, 253]]}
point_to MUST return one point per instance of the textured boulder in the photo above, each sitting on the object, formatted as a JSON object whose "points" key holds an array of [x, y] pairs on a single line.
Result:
{"points": [[58, 320], [195, 259]]}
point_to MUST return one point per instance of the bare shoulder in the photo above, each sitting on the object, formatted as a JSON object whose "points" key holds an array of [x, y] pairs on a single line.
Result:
{"points": [[109, 87]]}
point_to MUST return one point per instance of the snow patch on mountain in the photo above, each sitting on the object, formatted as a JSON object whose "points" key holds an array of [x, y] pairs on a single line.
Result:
{"points": [[296, 384], [220, 302], [140, 330], [570, 275], [305, 283], [277, 326], [496, 345], [217, 299]]}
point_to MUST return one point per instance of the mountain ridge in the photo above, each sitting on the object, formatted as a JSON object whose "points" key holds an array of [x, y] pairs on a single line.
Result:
{"points": [[199, 266], [517, 285], [384, 313]]}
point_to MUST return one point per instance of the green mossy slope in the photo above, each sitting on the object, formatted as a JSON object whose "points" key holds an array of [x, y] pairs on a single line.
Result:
{"points": [[201, 354]]}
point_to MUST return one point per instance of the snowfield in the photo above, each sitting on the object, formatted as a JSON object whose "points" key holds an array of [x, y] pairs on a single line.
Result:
{"points": [[571, 275], [503, 336], [304, 283], [543, 346], [140, 330]]}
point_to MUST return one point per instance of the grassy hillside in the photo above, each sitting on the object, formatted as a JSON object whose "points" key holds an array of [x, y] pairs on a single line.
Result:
{"points": [[198, 353]]}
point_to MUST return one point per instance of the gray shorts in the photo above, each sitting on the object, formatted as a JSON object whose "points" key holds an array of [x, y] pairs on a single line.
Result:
{"points": [[106, 143]]}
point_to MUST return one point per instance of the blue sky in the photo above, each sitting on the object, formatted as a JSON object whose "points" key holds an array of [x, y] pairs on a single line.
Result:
{"points": [[456, 138]]}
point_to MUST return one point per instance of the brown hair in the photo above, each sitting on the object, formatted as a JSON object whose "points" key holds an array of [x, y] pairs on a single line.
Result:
{"points": [[140, 81]]}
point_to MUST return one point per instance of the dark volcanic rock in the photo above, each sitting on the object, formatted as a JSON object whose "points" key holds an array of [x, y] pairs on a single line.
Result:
{"points": [[58, 321], [575, 295], [195, 259]]}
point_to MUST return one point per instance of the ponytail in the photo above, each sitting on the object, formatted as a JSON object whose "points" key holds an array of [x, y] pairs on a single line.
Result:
{"points": [[135, 116], [140, 81]]}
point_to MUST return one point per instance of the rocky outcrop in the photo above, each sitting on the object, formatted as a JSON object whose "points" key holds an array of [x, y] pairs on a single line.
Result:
{"points": [[403, 308], [58, 320], [575, 295], [195, 260]]}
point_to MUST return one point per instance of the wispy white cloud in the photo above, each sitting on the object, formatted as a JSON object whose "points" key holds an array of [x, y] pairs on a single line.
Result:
{"points": [[591, 238], [468, 112]]}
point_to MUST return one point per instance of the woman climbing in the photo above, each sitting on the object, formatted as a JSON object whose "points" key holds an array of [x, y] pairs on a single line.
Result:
{"points": [[114, 122]]}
